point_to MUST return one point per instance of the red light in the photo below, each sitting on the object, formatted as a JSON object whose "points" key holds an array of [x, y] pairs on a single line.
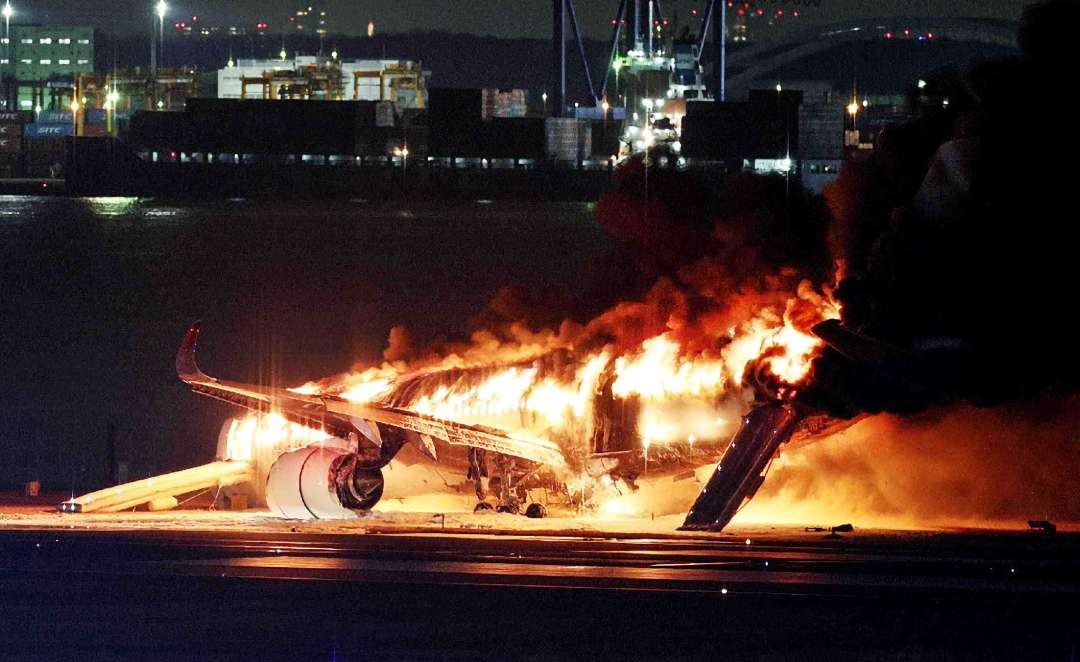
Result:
{"points": [[795, 13], [742, 12], [888, 35], [194, 18], [779, 12], [929, 35], [907, 33], [761, 12], [172, 155], [746, 5], [665, 21]]}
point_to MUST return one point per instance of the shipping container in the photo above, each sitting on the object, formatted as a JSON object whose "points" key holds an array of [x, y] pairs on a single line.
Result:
{"points": [[54, 117], [385, 116], [568, 139], [504, 103], [9, 145], [16, 117], [95, 116], [49, 130]]}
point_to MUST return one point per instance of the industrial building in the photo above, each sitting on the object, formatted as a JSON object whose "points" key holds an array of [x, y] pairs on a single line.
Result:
{"points": [[329, 79], [40, 64]]}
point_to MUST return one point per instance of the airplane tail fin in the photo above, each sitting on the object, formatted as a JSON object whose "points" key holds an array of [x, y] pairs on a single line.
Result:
{"points": [[186, 367]]}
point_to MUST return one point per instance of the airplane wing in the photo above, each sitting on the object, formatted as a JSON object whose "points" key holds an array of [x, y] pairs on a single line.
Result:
{"points": [[342, 418]]}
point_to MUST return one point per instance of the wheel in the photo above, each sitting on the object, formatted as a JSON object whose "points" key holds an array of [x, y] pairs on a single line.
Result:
{"points": [[536, 511], [511, 507], [483, 506]]}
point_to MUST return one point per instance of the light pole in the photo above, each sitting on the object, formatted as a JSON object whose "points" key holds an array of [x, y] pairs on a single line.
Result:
{"points": [[160, 9], [8, 12], [110, 107], [75, 117]]}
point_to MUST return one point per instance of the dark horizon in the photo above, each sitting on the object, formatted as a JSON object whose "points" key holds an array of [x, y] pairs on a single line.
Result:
{"points": [[529, 19]]}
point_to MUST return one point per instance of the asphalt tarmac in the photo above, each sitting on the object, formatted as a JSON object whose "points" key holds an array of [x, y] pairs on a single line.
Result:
{"points": [[79, 594]]}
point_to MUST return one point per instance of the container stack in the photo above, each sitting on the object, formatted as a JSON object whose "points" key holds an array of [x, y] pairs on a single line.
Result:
{"points": [[12, 128], [568, 139], [504, 103]]}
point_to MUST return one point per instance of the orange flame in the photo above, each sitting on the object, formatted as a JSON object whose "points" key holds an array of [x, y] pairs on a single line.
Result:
{"points": [[685, 394]]}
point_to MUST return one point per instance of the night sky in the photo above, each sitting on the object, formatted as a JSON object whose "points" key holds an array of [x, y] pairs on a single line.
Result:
{"points": [[497, 17]]}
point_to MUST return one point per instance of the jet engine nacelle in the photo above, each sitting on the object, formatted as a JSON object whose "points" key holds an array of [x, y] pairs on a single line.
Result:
{"points": [[321, 481]]}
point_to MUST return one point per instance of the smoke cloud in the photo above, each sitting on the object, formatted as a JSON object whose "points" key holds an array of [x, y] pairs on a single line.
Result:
{"points": [[956, 466]]}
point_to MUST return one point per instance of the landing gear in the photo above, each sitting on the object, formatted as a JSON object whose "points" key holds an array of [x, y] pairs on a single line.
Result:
{"points": [[478, 470], [536, 511], [512, 507], [510, 494]]}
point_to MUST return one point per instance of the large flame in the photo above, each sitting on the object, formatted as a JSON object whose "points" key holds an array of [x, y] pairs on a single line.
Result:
{"points": [[685, 387]]}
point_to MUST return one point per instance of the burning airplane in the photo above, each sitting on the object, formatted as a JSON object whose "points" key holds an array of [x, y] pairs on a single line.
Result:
{"points": [[559, 421], [732, 351]]}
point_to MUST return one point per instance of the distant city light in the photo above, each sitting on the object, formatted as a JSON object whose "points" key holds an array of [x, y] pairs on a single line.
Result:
{"points": [[162, 9], [371, 28], [921, 84], [779, 88], [853, 108], [8, 11]]}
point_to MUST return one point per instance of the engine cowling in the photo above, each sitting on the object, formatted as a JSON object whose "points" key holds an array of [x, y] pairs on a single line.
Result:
{"points": [[321, 481]]}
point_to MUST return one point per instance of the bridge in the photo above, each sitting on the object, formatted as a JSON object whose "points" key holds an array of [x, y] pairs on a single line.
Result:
{"points": [[746, 65]]}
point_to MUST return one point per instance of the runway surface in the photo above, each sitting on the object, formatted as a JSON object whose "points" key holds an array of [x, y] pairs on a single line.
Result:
{"points": [[284, 594]]}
